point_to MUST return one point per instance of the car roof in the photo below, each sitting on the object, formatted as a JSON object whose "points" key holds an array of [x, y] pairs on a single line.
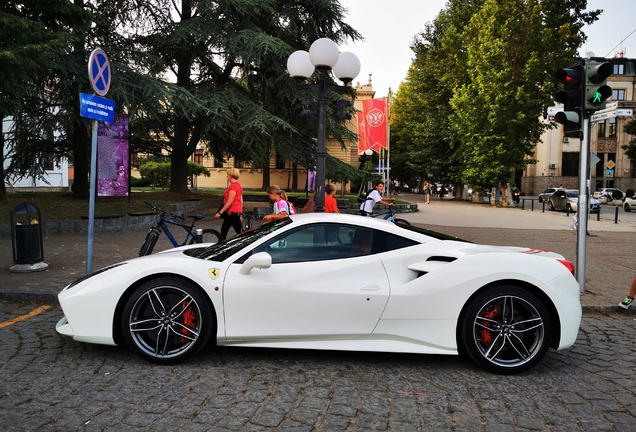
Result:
{"points": [[364, 221]]}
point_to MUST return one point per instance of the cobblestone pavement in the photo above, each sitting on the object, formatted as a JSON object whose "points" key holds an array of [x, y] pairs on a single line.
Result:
{"points": [[52, 383]]}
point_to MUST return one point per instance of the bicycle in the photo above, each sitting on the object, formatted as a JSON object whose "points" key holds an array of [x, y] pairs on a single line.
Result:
{"points": [[164, 219], [390, 215]]}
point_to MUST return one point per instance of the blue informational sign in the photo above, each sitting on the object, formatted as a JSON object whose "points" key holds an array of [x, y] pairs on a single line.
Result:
{"points": [[97, 108], [99, 71]]}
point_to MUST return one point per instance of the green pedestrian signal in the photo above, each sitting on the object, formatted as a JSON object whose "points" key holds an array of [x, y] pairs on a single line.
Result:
{"points": [[596, 89]]}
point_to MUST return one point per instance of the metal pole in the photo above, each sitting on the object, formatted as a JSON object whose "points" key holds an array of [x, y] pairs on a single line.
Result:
{"points": [[91, 202], [584, 208], [321, 149]]}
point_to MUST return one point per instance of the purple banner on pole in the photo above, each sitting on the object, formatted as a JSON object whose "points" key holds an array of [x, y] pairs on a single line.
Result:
{"points": [[113, 163]]}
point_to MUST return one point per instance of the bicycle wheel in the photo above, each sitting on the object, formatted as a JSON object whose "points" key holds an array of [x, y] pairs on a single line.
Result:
{"points": [[402, 221], [209, 236], [150, 242]]}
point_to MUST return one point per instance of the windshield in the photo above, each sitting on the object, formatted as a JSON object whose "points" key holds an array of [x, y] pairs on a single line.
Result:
{"points": [[225, 249], [573, 194]]}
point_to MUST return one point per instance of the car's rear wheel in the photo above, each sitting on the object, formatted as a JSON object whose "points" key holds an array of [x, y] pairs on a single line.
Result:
{"points": [[568, 208], [505, 329], [167, 320]]}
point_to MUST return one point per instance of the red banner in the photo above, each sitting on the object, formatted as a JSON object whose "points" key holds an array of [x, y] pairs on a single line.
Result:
{"points": [[375, 123]]}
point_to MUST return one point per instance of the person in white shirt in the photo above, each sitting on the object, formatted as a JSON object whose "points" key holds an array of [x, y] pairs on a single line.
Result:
{"points": [[374, 197]]}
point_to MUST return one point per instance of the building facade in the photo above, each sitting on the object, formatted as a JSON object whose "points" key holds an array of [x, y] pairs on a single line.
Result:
{"points": [[559, 156]]}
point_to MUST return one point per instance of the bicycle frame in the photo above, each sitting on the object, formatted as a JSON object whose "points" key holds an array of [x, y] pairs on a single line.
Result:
{"points": [[388, 214], [163, 225]]}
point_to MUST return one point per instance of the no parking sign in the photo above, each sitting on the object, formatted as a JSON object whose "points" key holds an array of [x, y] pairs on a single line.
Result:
{"points": [[99, 71]]}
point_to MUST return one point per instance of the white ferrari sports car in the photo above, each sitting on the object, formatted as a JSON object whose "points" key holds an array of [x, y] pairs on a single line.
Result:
{"points": [[333, 282]]}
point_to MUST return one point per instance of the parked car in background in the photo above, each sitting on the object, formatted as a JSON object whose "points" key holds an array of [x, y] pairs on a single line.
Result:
{"points": [[543, 196], [567, 200], [629, 203], [605, 194]]}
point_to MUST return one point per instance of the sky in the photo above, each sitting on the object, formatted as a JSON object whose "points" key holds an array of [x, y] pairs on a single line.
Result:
{"points": [[389, 26]]}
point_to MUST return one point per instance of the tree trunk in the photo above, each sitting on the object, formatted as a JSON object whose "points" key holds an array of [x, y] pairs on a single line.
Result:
{"points": [[81, 157], [3, 189]]}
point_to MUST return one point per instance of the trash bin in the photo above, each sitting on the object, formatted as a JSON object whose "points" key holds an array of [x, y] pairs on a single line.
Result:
{"points": [[26, 238]]}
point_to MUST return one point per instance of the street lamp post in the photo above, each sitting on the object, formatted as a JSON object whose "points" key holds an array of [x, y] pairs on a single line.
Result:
{"points": [[324, 56]]}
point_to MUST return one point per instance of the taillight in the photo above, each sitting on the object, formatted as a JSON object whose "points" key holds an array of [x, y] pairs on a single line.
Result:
{"points": [[568, 264]]}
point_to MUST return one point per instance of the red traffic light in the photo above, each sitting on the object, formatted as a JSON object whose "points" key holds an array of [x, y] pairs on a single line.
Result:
{"points": [[569, 76]]}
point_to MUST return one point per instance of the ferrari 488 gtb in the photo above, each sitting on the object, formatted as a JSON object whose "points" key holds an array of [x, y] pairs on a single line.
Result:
{"points": [[333, 282]]}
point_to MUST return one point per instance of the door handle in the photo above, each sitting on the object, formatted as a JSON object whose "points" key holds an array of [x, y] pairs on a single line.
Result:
{"points": [[370, 288]]}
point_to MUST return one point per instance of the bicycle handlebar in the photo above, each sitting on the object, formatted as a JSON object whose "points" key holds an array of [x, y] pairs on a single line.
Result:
{"points": [[163, 212]]}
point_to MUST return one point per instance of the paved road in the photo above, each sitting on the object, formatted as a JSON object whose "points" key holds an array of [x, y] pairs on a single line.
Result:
{"points": [[51, 383]]}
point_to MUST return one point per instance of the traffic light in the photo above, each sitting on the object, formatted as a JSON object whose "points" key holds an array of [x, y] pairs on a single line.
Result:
{"points": [[596, 89], [572, 115]]}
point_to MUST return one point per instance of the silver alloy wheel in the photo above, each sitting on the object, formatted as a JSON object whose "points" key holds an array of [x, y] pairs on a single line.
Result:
{"points": [[164, 322], [508, 331]]}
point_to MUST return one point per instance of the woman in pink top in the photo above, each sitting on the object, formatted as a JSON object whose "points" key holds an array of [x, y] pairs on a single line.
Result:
{"points": [[232, 208]]}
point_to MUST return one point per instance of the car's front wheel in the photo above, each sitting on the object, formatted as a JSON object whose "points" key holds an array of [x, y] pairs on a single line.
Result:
{"points": [[627, 207], [505, 329], [167, 320], [550, 205]]}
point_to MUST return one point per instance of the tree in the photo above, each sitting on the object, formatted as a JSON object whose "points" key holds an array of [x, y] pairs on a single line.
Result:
{"points": [[470, 108], [513, 48], [230, 91], [34, 37]]}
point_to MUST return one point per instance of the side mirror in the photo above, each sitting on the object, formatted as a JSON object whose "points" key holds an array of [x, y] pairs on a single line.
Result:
{"points": [[261, 260]]}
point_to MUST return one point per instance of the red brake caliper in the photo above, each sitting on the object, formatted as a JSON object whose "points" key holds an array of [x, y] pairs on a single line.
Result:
{"points": [[189, 320], [484, 335]]}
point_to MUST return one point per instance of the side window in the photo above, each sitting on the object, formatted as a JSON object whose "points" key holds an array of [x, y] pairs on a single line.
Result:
{"points": [[319, 242]]}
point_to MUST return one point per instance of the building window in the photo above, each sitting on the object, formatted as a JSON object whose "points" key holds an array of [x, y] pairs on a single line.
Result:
{"points": [[601, 129], [239, 163], [280, 162], [218, 162], [47, 162], [618, 95], [612, 128], [619, 69], [570, 164], [198, 156]]}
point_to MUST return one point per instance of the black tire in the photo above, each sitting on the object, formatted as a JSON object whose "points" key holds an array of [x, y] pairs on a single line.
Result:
{"points": [[167, 320], [402, 221], [550, 206], [627, 207], [505, 329], [568, 208], [209, 236], [150, 242]]}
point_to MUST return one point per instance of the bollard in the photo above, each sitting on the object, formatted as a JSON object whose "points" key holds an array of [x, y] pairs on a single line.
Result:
{"points": [[531, 205], [598, 213], [616, 216], [199, 235], [543, 208]]}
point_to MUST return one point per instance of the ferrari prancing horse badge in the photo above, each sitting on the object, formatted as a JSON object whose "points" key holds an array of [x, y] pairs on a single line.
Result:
{"points": [[214, 273]]}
